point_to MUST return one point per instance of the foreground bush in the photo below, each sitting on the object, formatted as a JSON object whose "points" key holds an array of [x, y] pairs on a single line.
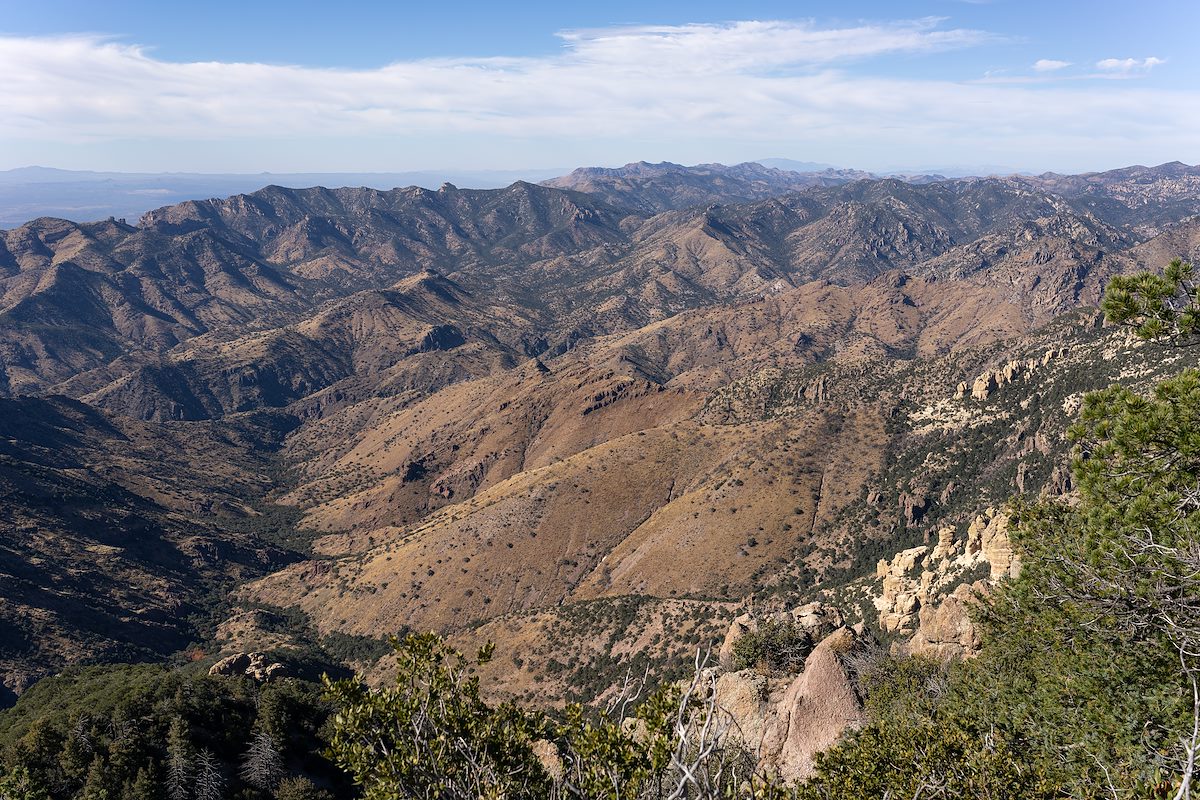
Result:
{"points": [[431, 736], [776, 646]]}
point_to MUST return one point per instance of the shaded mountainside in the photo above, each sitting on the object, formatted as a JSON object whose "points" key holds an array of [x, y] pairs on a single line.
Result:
{"points": [[548, 416], [115, 531]]}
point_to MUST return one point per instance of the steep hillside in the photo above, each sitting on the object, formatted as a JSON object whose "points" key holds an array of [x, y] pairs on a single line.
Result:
{"points": [[115, 533], [75, 297]]}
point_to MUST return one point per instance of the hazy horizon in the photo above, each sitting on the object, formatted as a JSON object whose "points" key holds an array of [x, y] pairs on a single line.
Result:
{"points": [[308, 88]]}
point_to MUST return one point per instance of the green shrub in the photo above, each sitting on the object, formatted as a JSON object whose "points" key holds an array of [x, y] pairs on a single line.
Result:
{"points": [[775, 646]]}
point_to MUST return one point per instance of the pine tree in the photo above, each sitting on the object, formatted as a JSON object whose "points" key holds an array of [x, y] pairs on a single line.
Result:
{"points": [[97, 786], [144, 786], [18, 784]]}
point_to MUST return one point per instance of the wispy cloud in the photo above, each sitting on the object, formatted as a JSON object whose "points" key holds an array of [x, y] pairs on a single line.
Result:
{"points": [[749, 82], [620, 79], [1050, 65], [756, 46]]}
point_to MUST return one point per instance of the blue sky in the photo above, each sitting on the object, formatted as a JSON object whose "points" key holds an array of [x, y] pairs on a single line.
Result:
{"points": [[306, 86]]}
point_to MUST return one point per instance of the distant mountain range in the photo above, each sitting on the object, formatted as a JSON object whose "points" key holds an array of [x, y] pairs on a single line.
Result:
{"points": [[30, 192], [27, 193], [493, 411]]}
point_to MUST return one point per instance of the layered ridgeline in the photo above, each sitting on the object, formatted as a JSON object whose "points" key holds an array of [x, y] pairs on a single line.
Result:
{"points": [[593, 420]]}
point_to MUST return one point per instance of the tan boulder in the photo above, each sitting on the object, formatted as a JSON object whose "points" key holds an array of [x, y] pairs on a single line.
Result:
{"points": [[944, 548], [816, 710], [231, 665], [547, 753], [899, 599], [983, 387], [997, 549], [815, 619], [987, 535], [741, 625], [745, 696]]}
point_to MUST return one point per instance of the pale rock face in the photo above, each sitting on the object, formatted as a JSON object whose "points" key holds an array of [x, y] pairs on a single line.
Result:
{"points": [[746, 696], [547, 753], [901, 597], [988, 536], [787, 721], [252, 665], [984, 385], [924, 593], [816, 392], [817, 618], [945, 545], [945, 630], [817, 709]]}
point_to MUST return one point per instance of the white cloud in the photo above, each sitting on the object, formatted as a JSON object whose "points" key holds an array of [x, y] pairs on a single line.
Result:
{"points": [[1129, 65], [1049, 65], [759, 85], [619, 79]]}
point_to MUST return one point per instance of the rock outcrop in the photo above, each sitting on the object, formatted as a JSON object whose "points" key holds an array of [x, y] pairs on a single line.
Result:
{"points": [[787, 719], [986, 384], [926, 590], [818, 707], [252, 665], [945, 630]]}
